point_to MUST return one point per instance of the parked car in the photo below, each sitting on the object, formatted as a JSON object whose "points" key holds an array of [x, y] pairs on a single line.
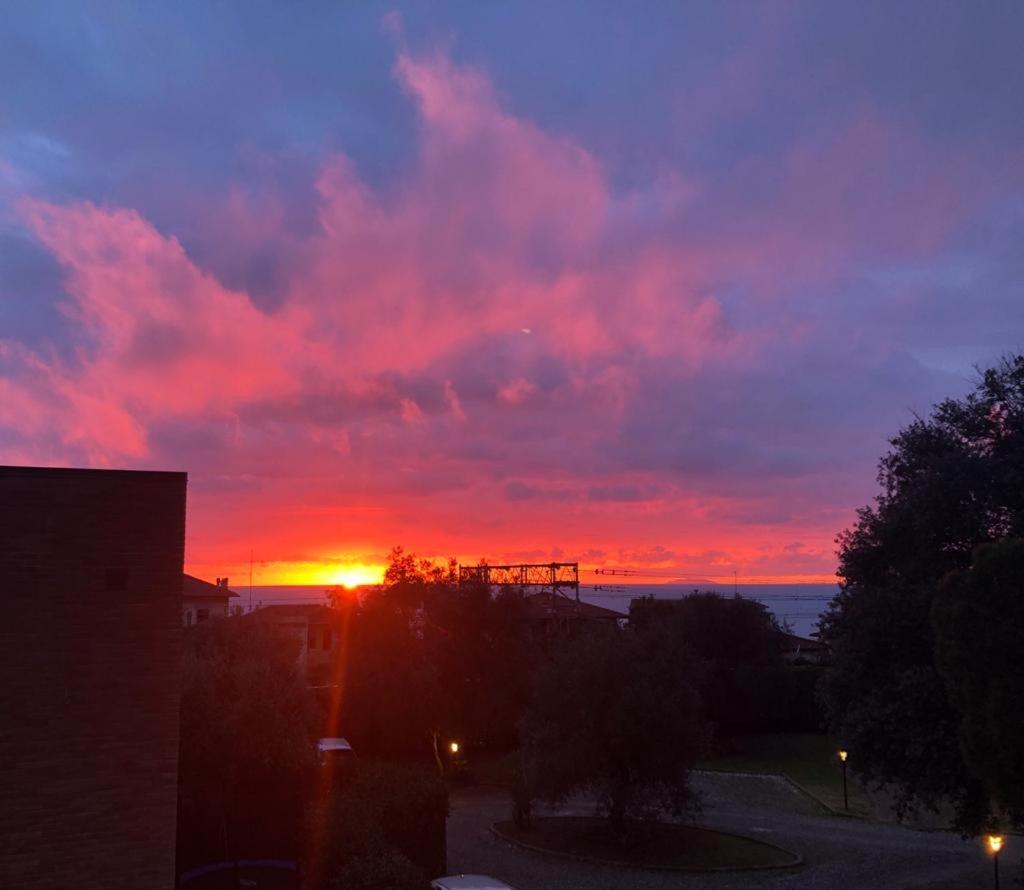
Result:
{"points": [[468, 882], [334, 749]]}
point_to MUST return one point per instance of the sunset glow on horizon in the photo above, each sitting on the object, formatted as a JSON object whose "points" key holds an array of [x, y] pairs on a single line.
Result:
{"points": [[384, 282], [328, 575]]}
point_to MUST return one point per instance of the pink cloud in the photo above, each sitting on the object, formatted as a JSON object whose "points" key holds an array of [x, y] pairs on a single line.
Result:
{"points": [[517, 392], [373, 399]]}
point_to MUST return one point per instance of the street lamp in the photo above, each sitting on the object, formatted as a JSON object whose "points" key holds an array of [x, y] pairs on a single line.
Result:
{"points": [[453, 747], [995, 844], [842, 759]]}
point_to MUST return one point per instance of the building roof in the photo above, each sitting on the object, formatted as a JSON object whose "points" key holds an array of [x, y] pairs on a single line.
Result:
{"points": [[469, 882], [793, 643], [89, 472], [547, 604], [197, 588]]}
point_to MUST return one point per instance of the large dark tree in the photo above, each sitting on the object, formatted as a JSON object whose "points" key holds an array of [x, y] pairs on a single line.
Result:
{"points": [[979, 624], [738, 642], [390, 698], [950, 482], [615, 717], [430, 659]]}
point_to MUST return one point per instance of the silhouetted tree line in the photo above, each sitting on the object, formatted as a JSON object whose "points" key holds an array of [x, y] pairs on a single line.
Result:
{"points": [[744, 683], [926, 689], [620, 711], [429, 660]]}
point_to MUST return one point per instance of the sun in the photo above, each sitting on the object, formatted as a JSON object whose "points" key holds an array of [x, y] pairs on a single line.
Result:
{"points": [[355, 575]]}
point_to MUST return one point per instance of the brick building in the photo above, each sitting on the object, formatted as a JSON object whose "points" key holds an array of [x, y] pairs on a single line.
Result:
{"points": [[90, 651]]}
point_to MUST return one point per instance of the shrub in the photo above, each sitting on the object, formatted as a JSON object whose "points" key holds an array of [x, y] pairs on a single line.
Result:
{"points": [[379, 869], [388, 807], [617, 717]]}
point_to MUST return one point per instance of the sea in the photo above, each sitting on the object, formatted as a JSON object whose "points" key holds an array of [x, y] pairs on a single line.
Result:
{"points": [[798, 607]]}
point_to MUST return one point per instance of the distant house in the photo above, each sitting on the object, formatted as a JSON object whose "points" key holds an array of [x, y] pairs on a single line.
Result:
{"points": [[202, 600], [801, 650], [554, 614], [316, 629]]}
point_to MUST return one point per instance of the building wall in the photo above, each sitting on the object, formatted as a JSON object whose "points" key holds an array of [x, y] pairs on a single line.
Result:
{"points": [[317, 638], [90, 657], [213, 607]]}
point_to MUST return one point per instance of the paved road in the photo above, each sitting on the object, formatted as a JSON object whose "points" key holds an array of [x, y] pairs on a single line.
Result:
{"points": [[839, 853]]}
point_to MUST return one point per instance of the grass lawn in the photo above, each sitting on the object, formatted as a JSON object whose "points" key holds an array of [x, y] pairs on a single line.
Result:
{"points": [[658, 845], [807, 758]]}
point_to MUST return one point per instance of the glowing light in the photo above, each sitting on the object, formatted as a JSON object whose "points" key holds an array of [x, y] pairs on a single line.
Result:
{"points": [[355, 575], [453, 747], [995, 842], [843, 755]]}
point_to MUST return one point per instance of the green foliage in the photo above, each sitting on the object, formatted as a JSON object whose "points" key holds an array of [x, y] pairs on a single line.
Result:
{"points": [[390, 701], [384, 869], [742, 680], [484, 660], [430, 658], [615, 716], [951, 482], [247, 741], [387, 817], [979, 621]]}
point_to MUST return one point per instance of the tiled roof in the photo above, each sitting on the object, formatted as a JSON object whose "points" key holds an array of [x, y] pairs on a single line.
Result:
{"points": [[792, 641], [547, 603], [196, 588]]}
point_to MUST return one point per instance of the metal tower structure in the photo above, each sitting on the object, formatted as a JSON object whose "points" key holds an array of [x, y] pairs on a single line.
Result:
{"points": [[558, 577]]}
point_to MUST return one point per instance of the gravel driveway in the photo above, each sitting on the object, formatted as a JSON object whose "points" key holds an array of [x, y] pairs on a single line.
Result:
{"points": [[839, 853]]}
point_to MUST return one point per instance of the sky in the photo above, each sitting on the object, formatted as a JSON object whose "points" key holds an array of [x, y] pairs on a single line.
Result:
{"points": [[640, 286]]}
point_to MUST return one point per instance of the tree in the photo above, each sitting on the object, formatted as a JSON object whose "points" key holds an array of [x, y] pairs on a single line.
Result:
{"points": [[979, 625], [738, 644], [248, 728], [616, 717], [384, 827], [390, 700], [431, 659], [485, 658], [950, 482]]}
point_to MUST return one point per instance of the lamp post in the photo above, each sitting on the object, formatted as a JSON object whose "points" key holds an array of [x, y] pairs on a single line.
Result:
{"points": [[842, 759], [453, 747], [995, 844]]}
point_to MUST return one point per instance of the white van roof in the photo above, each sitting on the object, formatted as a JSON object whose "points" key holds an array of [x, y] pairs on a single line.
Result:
{"points": [[469, 882]]}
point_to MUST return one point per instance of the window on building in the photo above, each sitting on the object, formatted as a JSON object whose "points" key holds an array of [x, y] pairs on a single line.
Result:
{"points": [[188, 617], [328, 639], [202, 615], [311, 638]]}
